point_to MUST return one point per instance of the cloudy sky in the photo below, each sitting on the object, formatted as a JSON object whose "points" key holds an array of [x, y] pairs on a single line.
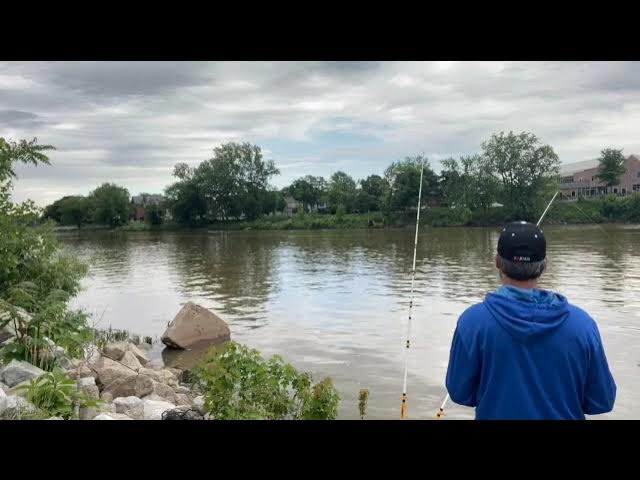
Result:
{"points": [[130, 122]]}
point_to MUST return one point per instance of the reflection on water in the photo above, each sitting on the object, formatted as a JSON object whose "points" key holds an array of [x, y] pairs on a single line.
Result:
{"points": [[336, 303]]}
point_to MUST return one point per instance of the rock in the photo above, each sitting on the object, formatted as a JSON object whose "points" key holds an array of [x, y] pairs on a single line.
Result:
{"points": [[164, 391], [162, 376], [153, 409], [115, 351], [182, 389], [3, 401], [104, 416], [139, 354], [195, 324], [92, 356], [18, 371], [89, 387], [155, 397], [155, 364], [88, 413], [130, 406], [19, 390], [112, 416], [75, 362], [182, 399], [120, 416], [176, 371], [64, 363], [198, 403], [136, 386], [84, 371], [130, 360], [109, 370], [145, 347], [182, 413], [4, 387], [16, 407], [106, 397]]}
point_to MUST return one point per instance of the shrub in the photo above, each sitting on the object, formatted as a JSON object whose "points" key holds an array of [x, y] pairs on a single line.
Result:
{"points": [[56, 394], [239, 384]]}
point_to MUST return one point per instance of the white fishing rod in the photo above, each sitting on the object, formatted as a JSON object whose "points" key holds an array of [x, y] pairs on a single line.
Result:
{"points": [[446, 399], [403, 410]]}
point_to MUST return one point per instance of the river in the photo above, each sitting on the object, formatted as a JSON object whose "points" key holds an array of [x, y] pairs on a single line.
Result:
{"points": [[336, 302]]}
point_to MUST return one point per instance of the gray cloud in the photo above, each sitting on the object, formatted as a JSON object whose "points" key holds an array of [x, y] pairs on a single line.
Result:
{"points": [[130, 122]]}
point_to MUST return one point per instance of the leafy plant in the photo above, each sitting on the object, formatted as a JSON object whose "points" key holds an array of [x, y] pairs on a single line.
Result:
{"points": [[56, 394], [239, 384]]}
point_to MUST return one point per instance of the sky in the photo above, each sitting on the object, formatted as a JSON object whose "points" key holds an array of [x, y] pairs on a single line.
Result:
{"points": [[131, 122]]}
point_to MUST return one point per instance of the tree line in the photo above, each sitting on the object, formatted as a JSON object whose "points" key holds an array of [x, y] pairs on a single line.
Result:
{"points": [[517, 171]]}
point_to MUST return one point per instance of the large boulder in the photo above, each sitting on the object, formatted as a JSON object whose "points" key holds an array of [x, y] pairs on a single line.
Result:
{"points": [[4, 387], [18, 371], [108, 371], [195, 324], [135, 386], [182, 399], [153, 409], [130, 406], [130, 360], [162, 376]]}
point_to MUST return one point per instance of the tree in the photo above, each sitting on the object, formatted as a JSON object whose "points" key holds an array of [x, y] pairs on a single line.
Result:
{"points": [[21, 152], [309, 190], [468, 182], [185, 199], [372, 193], [109, 205], [526, 168], [35, 276], [154, 214], [342, 192], [233, 181], [610, 166], [73, 211], [404, 181]]}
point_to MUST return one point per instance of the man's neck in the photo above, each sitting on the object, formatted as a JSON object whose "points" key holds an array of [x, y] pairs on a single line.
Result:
{"points": [[524, 284]]}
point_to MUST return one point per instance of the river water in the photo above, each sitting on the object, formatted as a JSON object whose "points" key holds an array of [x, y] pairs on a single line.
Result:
{"points": [[336, 302]]}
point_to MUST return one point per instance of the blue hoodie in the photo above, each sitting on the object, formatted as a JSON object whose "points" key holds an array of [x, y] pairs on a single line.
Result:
{"points": [[529, 354]]}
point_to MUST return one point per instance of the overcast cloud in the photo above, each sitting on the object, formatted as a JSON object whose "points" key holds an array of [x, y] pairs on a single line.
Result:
{"points": [[130, 122]]}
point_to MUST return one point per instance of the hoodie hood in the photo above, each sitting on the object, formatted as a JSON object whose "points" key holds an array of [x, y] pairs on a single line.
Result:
{"points": [[527, 314]]}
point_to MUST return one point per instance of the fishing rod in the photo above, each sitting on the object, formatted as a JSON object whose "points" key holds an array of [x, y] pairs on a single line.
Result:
{"points": [[403, 410], [446, 399]]}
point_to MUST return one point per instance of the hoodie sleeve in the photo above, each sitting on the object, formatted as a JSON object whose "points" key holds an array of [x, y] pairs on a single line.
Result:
{"points": [[463, 371], [600, 389]]}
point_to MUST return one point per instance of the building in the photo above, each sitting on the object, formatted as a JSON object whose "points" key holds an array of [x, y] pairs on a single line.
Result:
{"points": [[293, 206], [580, 179], [140, 202]]}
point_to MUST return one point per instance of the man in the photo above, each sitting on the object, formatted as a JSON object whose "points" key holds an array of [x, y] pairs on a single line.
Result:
{"points": [[527, 353]]}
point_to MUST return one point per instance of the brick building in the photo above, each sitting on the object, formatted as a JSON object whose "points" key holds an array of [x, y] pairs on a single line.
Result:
{"points": [[579, 179]]}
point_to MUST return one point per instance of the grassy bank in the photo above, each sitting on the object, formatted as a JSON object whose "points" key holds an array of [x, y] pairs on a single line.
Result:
{"points": [[583, 211]]}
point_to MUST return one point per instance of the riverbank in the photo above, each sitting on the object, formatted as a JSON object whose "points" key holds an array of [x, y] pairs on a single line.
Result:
{"points": [[608, 210]]}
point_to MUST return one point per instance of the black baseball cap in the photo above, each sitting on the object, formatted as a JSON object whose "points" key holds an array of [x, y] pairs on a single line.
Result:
{"points": [[522, 242]]}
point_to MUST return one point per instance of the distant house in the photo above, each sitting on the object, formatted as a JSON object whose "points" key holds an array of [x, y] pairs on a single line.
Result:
{"points": [[293, 206], [580, 179], [140, 202]]}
